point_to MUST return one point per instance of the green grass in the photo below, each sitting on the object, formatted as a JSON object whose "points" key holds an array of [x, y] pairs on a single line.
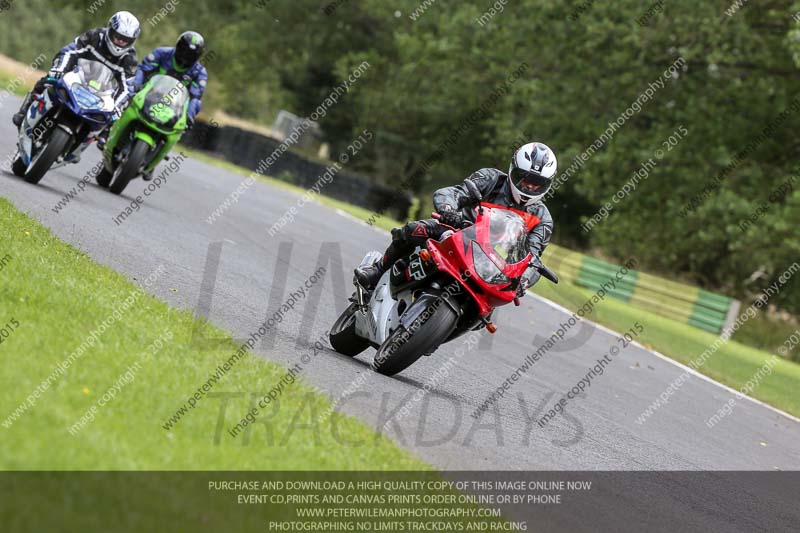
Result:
{"points": [[9, 81], [734, 364], [768, 334], [58, 295]]}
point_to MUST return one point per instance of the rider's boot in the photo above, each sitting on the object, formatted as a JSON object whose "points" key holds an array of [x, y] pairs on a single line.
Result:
{"points": [[369, 275], [19, 116]]}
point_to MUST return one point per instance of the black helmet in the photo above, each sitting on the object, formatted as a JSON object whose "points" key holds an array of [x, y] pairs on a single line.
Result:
{"points": [[188, 49]]}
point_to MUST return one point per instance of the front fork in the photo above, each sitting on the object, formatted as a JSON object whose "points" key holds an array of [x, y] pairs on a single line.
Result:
{"points": [[119, 129]]}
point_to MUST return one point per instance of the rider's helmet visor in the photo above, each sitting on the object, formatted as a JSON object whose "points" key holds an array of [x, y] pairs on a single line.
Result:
{"points": [[529, 182]]}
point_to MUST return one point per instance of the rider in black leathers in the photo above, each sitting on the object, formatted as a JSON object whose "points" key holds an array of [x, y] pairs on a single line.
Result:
{"points": [[112, 46], [533, 167]]}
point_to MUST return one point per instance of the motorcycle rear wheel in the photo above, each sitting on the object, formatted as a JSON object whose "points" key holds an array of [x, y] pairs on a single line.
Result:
{"points": [[397, 354]]}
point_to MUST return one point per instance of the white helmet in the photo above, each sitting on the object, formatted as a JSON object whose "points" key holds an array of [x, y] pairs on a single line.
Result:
{"points": [[123, 29], [531, 172]]}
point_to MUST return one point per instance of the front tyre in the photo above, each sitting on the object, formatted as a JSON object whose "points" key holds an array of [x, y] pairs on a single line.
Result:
{"points": [[18, 166], [43, 160], [404, 346], [103, 177], [343, 336], [129, 168]]}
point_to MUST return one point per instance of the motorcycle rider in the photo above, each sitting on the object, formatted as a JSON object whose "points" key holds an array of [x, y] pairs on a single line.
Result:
{"points": [[181, 62], [112, 45], [530, 175]]}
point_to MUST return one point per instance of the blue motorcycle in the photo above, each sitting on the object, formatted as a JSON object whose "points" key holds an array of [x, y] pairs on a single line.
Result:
{"points": [[62, 121]]}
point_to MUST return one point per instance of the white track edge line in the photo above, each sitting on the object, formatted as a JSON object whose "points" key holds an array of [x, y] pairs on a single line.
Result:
{"points": [[674, 362]]}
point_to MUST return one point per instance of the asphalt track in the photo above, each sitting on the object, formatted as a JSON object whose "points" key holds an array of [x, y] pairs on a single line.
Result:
{"points": [[598, 432]]}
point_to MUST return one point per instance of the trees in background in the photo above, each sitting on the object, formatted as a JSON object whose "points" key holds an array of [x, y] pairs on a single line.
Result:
{"points": [[439, 97]]}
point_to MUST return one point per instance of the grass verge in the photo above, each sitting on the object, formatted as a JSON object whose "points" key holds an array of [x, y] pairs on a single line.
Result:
{"points": [[733, 364], [52, 296]]}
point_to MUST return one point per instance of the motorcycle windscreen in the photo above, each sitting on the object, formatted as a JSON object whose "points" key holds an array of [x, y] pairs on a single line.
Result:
{"points": [[165, 101], [97, 77], [503, 238], [97, 86]]}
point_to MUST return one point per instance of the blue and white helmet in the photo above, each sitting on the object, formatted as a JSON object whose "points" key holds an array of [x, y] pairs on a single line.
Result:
{"points": [[531, 172], [122, 31]]}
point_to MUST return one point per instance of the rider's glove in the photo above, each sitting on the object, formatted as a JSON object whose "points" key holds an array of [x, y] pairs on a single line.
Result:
{"points": [[55, 74], [451, 217]]}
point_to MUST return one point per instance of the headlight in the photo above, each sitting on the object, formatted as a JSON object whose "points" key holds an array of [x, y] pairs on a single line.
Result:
{"points": [[85, 98], [485, 267], [160, 113]]}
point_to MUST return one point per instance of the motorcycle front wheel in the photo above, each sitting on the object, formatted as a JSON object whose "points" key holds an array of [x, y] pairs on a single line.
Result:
{"points": [[405, 345], [343, 336], [47, 155], [129, 168], [18, 166], [103, 177]]}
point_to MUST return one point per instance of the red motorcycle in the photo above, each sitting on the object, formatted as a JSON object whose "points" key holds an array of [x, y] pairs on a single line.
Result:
{"points": [[440, 291]]}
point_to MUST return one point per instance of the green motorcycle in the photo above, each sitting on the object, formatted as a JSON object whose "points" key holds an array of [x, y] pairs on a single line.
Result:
{"points": [[145, 133]]}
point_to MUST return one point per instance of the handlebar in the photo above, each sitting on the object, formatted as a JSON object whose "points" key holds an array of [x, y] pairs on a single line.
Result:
{"points": [[464, 223]]}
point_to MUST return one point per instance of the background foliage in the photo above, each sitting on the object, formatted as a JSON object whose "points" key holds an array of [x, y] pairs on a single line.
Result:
{"points": [[585, 67]]}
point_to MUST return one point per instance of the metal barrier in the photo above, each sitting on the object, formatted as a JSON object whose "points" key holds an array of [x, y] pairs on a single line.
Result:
{"points": [[247, 148], [685, 303]]}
